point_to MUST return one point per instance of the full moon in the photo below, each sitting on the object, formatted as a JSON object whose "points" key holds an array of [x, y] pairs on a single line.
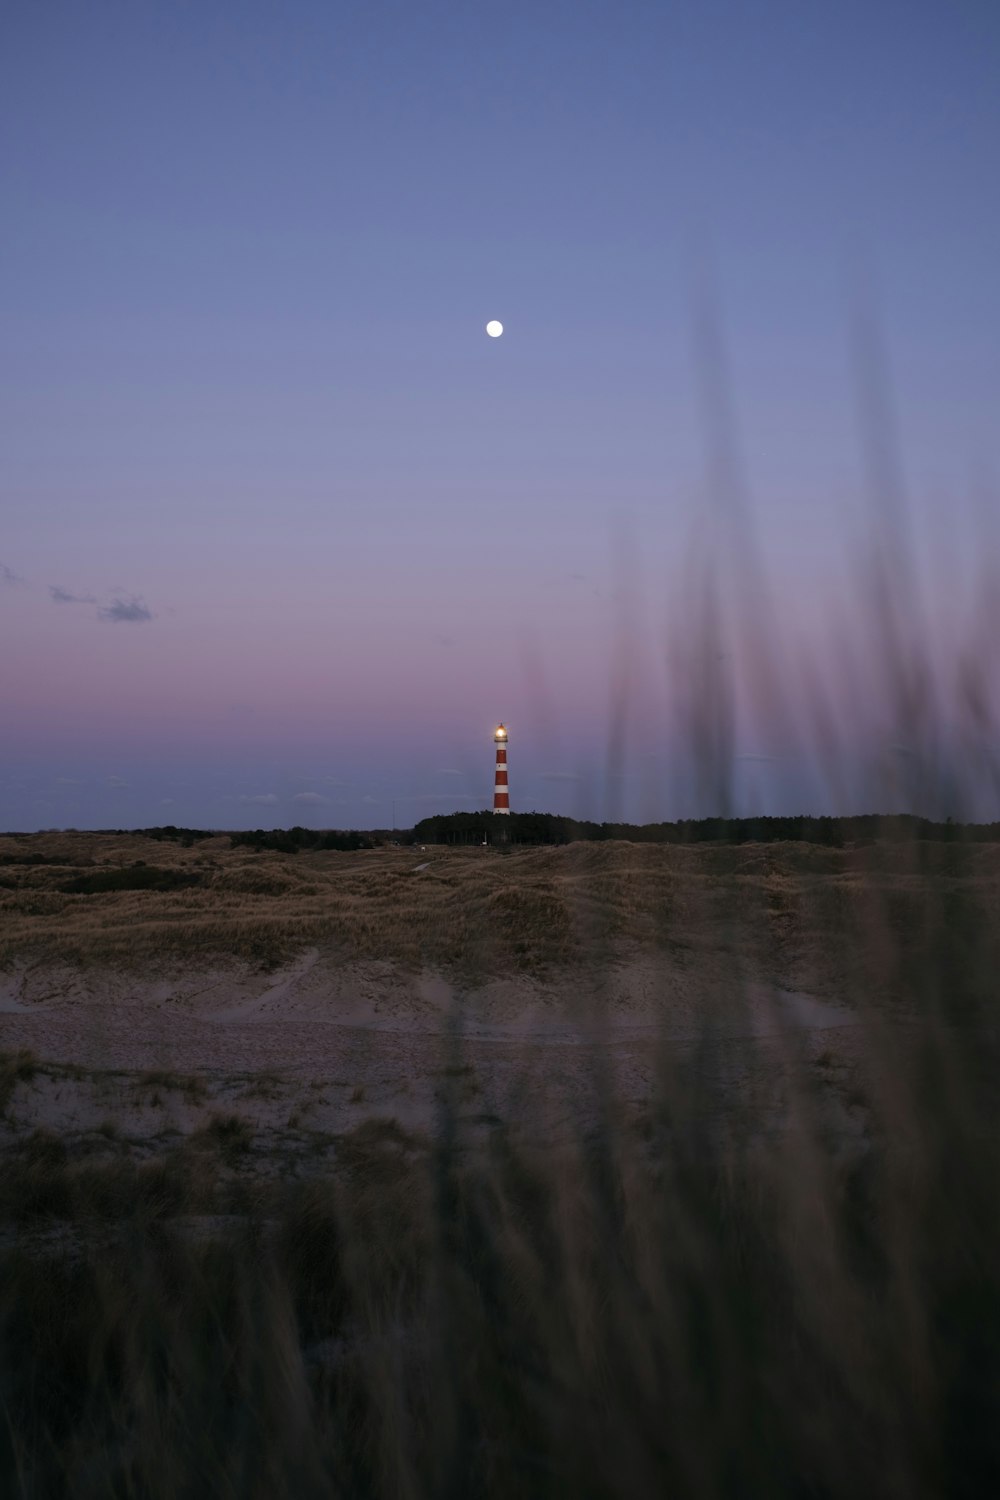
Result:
{"points": [[494, 329]]}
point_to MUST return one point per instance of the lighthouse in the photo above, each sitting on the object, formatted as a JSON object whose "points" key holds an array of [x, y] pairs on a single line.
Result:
{"points": [[501, 795]]}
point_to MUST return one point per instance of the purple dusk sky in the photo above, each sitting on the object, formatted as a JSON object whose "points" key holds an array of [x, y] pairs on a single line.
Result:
{"points": [[283, 533]]}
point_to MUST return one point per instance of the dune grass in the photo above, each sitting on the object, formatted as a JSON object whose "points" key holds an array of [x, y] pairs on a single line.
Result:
{"points": [[672, 1314], [780, 906], [688, 1301]]}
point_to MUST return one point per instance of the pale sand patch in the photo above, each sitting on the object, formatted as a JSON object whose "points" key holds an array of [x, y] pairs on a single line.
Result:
{"points": [[341, 1042], [636, 996], [272, 998]]}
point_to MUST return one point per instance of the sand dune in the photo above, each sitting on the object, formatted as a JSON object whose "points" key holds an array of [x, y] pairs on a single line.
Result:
{"points": [[524, 976]]}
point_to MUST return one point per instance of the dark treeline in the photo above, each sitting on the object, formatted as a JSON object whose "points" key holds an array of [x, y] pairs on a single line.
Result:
{"points": [[286, 840], [547, 828], [170, 834], [292, 840]]}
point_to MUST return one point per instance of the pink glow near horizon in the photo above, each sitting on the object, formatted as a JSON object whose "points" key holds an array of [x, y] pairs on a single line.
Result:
{"points": [[374, 686]]}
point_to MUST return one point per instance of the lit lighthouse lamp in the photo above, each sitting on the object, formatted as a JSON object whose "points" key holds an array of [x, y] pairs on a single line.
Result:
{"points": [[501, 794]]}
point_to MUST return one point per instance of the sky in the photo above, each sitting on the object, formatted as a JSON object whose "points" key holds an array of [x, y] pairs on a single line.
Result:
{"points": [[283, 533]]}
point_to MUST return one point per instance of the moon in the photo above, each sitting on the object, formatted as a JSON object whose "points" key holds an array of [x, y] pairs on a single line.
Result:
{"points": [[494, 329]]}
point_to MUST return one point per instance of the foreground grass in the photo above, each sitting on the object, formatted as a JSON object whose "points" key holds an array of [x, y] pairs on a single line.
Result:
{"points": [[667, 1314], [684, 1303]]}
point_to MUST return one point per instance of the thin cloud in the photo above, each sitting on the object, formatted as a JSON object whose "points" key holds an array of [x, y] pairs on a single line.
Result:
{"points": [[315, 799], [586, 581], [63, 596], [8, 576], [117, 781], [129, 610], [558, 776], [68, 781], [265, 798], [448, 771]]}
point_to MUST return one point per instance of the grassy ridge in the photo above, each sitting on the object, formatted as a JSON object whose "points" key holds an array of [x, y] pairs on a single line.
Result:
{"points": [[785, 907]]}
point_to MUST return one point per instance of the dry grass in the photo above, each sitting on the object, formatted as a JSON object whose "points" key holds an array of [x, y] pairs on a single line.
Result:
{"points": [[15, 1067], [780, 906], [683, 1301], [673, 1314]]}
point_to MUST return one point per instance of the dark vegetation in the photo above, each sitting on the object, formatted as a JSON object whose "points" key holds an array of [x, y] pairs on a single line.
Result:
{"points": [[551, 828], [31, 857], [137, 877], [184, 836], [548, 828], [293, 840]]}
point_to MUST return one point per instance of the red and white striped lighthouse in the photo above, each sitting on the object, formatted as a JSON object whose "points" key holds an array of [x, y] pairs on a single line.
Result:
{"points": [[501, 794]]}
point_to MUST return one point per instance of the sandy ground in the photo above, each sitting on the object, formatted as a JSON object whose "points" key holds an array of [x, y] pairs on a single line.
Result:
{"points": [[319, 1046]]}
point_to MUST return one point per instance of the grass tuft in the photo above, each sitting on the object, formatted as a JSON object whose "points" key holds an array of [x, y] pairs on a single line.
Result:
{"points": [[15, 1067]]}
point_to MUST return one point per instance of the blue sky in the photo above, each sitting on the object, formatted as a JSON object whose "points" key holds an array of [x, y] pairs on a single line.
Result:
{"points": [[317, 530]]}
